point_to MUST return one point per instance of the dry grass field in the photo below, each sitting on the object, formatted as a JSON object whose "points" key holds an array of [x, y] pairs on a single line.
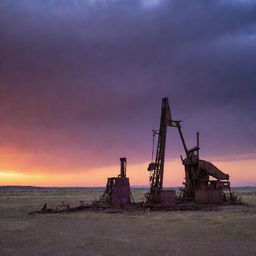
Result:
{"points": [[229, 231]]}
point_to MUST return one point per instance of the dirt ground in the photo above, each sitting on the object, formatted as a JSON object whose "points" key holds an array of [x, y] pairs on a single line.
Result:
{"points": [[229, 231]]}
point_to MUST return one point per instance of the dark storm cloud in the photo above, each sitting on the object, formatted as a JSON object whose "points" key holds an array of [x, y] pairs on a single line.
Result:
{"points": [[83, 80]]}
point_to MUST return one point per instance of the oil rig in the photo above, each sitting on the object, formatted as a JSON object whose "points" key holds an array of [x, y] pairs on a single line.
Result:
{"points": [[204, 184]]}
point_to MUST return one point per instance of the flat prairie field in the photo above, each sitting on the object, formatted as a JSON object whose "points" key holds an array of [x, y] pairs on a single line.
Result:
{"points": [[228, 231]]}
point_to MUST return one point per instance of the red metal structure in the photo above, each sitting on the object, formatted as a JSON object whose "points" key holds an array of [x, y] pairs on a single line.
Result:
{"points": [[117, 193], [204, 183], [157, 195], [198, 185]]}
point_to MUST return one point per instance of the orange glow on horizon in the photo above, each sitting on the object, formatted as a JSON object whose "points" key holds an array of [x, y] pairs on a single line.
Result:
{"points": [[242, 173]]}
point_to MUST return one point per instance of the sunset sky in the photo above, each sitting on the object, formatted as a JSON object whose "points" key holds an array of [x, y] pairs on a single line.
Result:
{"points": [[81, 84]]}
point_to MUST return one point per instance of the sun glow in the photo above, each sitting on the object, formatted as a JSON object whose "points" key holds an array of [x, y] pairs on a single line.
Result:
{"points": [[242, 172], [15, 178]]}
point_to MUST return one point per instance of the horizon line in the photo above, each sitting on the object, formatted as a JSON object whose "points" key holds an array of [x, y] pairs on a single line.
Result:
{"points": [[133, 186]]}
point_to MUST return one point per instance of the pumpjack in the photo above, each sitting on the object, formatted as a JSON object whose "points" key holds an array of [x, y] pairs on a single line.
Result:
{"points": [[204, 182]]}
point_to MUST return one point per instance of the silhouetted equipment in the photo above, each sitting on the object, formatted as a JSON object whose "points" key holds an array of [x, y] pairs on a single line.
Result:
{"points": [[204, 183], [156, 194], [117, 192], [123, 165], [198, 186]]}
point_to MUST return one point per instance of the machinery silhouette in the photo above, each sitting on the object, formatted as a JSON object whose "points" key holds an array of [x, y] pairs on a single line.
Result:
{"points": [[204, 185], [198, 186]]}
